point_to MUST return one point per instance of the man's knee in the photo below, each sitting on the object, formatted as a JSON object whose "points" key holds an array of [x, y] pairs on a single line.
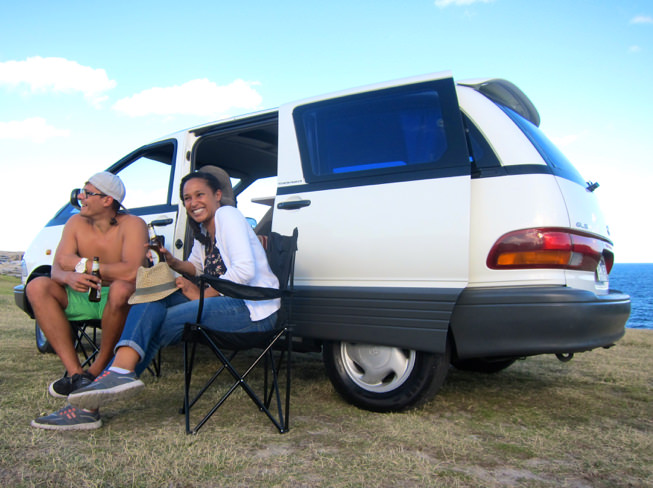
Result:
{"points": [[119, 293], [38, 287]]}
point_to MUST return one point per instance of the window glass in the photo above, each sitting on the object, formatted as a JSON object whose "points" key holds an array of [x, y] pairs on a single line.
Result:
{"points": [[553, 157], [255, 200], [481, 154], [147, 178], [379, 132]]}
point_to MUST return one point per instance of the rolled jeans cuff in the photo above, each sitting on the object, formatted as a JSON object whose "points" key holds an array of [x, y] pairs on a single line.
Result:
{"points": [[133, 345]]}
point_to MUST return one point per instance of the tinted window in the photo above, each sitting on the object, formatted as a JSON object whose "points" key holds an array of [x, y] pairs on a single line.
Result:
{"points": [[394, 130], [553, 157], [480, 153]]}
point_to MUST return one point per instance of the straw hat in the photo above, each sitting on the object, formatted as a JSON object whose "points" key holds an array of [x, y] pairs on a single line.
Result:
{"points": [[153, 284]]}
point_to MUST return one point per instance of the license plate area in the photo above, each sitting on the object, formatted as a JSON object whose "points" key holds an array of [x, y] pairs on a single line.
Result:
{"points": [[601, 275]]}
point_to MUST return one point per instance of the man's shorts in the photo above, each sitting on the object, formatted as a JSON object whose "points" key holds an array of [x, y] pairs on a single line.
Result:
{"points": [[80, 308]]}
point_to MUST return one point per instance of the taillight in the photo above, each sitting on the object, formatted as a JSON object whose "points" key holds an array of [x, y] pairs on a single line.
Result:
{"points": [[550, 248]]}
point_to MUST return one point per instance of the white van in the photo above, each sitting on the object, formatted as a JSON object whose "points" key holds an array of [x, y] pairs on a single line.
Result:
{"points": [[438, 225]]}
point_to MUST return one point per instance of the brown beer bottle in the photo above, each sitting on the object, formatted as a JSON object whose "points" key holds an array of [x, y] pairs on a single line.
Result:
{"points": [[156, 242], [95, 294]]}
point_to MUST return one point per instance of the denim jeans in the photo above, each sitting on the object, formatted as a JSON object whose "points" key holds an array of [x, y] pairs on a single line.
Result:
{"points": [[151, 326]]}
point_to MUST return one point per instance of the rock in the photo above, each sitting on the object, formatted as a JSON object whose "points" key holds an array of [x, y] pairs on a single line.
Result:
{"points": [[10, 263]]}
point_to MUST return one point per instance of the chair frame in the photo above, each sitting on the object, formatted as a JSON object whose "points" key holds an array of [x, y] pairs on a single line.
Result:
{"points": [[266, 342]]}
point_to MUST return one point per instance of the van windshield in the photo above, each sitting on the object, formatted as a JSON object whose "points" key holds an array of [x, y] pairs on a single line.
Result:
{"points": [[554, 158]]}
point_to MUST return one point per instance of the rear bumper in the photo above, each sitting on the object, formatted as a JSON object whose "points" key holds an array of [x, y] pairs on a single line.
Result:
{"points": [[524, 321]]}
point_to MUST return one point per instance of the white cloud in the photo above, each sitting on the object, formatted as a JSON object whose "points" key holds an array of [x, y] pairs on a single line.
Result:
{"points": [[34, 129], [195, 97], [642, 19], [458, 3], [58, 75]]}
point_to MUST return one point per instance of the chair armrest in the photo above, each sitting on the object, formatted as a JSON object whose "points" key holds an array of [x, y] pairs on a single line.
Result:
{"points": [[237, 290]]}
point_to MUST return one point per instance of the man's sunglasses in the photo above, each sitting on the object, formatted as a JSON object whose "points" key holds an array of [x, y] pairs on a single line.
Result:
{"points": [[78, 193]]}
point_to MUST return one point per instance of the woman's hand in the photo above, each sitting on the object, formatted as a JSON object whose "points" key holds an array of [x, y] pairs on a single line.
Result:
{"points": [[188, 288]]}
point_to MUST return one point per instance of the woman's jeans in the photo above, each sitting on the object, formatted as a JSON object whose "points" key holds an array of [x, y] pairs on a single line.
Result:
{"points": [[151, 326]]}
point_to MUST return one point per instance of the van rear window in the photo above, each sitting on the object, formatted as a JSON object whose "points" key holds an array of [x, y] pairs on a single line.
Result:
{"points": [[388, 131], [554, 158]]}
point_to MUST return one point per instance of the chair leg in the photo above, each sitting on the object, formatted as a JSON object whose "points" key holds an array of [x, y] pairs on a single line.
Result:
{"points": [[239, 381], [88, 351], [286, 424], [155, 366]]}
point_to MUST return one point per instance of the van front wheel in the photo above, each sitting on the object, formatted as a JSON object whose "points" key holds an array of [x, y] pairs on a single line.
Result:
{"points": [[42, 343], [382, 378]]}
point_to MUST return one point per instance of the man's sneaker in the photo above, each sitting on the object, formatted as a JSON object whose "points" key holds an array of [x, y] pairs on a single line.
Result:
{"points": [[69, 418], [108, 387], [66, 385]]}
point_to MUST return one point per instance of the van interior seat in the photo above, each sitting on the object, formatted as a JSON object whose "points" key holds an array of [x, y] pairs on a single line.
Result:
{"points": [[228, 197]]}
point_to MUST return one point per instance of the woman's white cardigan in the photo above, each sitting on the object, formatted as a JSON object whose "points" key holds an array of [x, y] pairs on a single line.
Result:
{"points": [[243, 256]]}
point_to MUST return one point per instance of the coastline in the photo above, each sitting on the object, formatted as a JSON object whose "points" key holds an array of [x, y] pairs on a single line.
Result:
{"points": [[10, 263]]}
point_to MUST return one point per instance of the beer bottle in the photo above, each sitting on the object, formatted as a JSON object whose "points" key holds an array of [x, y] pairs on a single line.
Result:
{"points": [[94, 294], [156, 242]]}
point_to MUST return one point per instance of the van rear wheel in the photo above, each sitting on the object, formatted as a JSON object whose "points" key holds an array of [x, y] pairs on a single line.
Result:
{"points": [[382, 378]]}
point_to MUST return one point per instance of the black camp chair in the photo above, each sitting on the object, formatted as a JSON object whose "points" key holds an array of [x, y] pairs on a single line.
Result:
{"points": [[273, 346]]}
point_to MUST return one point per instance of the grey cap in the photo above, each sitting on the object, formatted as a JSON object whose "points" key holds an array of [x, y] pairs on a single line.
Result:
{"points": [[109, 184]]}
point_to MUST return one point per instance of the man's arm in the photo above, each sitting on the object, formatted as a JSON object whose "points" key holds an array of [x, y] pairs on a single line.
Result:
{"points": [[66, 258], [67, 255], [134, 238]]}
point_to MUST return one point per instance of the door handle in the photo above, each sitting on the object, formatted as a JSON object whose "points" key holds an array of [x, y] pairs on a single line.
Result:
{"points": [[161, 222], [293, 204]]}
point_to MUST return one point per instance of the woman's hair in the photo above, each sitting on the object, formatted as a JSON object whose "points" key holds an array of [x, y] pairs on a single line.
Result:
{"points": [[214, 184]]}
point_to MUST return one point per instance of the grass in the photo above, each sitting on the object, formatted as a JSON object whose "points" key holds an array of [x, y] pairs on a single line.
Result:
{"points": [[540, 423]]}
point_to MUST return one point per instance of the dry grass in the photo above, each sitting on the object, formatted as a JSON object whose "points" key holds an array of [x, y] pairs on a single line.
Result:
{"points": [[541, 423]]}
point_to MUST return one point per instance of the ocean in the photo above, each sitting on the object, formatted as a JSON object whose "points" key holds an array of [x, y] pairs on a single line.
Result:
{"points": [[637, 281]]}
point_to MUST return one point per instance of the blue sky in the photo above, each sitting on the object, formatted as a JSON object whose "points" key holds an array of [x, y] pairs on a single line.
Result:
{"points": [[82, 83]]}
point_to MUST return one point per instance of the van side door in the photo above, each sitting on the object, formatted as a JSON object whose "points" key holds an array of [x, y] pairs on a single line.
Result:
{"points": [[377, 180]]}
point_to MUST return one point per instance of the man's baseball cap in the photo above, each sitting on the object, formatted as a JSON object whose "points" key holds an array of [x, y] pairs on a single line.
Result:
{"points": [[109, 184]]}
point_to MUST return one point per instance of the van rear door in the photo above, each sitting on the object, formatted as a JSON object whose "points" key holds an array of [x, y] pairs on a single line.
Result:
{"points": [[377, 180]]}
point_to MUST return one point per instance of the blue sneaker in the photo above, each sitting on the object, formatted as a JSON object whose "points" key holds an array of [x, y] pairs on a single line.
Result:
{"points": [[108, 387], [69, 418]]}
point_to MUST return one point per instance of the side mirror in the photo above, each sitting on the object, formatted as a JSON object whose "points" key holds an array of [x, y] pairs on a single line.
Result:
{"points": [[74, 198]]}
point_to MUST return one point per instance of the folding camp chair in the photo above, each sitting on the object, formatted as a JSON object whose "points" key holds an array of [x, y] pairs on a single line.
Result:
{"points": [[281, 257]]}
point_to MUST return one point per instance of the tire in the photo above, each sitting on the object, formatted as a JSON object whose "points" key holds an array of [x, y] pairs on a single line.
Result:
{"points": [[42, 343], [482, 365], [384, 379]]}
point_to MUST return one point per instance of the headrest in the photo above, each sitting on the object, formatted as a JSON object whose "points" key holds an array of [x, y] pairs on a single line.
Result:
{"points": [[225, 184]]}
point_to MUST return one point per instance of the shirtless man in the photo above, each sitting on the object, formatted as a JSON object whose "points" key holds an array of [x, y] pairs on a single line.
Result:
{"points": [[118, 239]]}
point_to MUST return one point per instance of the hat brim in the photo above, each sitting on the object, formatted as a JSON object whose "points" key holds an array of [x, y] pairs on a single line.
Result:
{"points": [[152, 293], [153, 284]]}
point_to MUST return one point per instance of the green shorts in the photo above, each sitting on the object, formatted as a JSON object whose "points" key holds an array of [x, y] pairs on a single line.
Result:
{"points": [[80, 308]]}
